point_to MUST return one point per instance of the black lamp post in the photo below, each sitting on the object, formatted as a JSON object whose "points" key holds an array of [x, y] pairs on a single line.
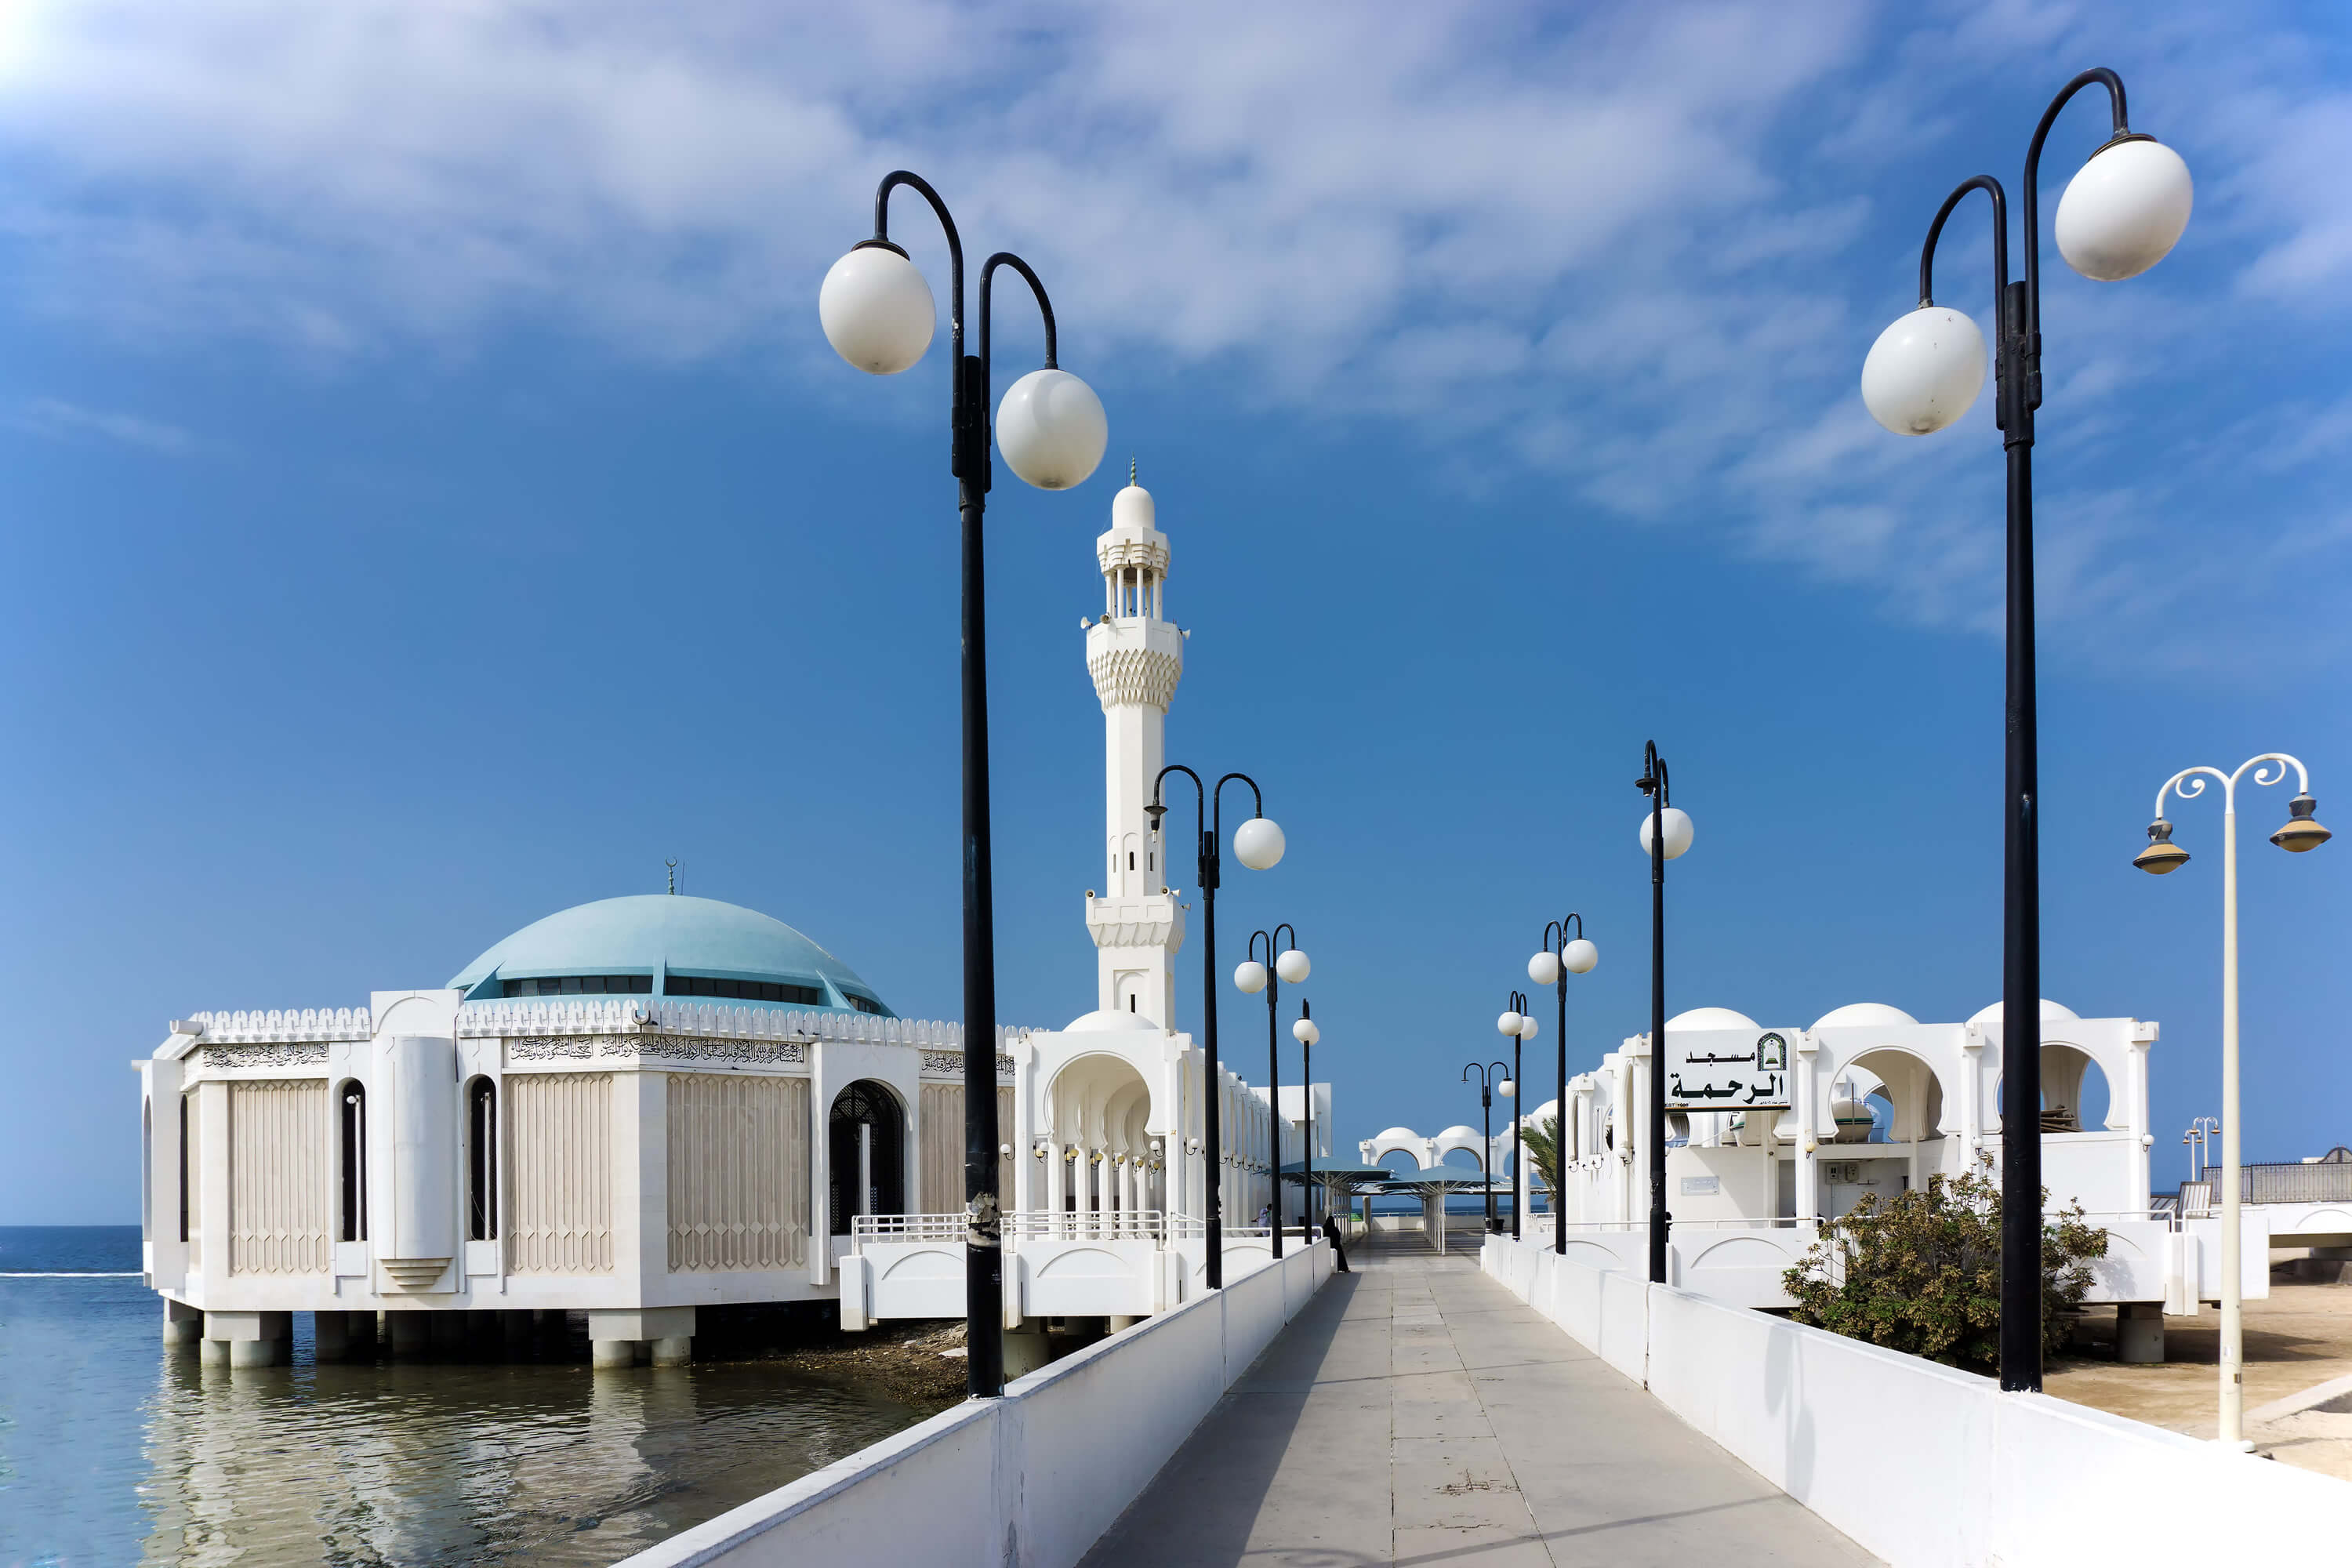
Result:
{"points": [[2120, 215], [1561, 956], [1667, 833], [1518, 1104], [1258, 845], [1267, 976], [1304, 1032], [877, 313], [1487, 1079]]}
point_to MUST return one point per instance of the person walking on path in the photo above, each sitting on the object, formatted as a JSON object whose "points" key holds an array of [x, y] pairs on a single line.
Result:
{"points": [[1331, 1235]]}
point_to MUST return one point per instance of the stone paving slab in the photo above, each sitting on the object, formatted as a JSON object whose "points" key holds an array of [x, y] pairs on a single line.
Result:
{"points": [[1417, 1413]]}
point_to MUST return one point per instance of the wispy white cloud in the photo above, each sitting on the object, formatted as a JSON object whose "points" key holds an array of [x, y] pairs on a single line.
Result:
{"points": [[1640, 252], [56, 420]]}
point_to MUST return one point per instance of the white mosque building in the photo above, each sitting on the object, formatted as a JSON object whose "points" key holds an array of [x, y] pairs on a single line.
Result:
{"points": [[646, 1106]]}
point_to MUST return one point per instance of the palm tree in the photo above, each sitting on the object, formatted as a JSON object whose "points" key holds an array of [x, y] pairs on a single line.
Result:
{"points": [[1542, 1142]]}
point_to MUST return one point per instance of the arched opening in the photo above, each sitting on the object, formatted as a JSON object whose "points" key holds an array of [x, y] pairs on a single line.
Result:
{"points": [[1901, 1092], [481, 1160], [1105, 1167], [351, 1149], [2075, 1095], [1468, 1157], [864, 1155]]}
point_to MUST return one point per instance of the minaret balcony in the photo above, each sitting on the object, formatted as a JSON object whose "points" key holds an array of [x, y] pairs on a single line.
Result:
{"points": [[1154, 920]]}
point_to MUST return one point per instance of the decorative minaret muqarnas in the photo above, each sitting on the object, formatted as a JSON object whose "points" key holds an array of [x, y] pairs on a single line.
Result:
{"points": [[1136, 658]]}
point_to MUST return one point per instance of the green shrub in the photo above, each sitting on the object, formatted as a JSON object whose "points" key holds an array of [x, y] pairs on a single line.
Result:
{"points": [[1922, 1274]]}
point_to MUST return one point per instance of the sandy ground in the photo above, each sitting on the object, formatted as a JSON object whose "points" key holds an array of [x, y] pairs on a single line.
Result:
{"points": [[2299, 1338]]}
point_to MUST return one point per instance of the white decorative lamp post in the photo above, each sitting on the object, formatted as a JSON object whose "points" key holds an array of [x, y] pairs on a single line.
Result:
{"points": [[2301, 834]]}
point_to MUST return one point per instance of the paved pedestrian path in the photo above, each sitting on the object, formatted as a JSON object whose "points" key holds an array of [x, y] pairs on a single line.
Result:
{"points": [[1418, 1413]]}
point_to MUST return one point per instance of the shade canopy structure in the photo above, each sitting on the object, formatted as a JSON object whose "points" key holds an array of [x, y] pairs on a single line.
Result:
{"points": [[1336, 1174], [1435, 1183]]}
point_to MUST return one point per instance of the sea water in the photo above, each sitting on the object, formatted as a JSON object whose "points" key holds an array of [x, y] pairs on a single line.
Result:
{"points": [[114, 1451]]}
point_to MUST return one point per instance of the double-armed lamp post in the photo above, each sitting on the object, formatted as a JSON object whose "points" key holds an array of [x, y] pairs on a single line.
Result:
{"points": [[1519, 1024], [1561, 956], [2121, 214], [2302, 833], [1250, 977], [878, 314], [1665, 835], [1490, 1075], [1258, 845]]}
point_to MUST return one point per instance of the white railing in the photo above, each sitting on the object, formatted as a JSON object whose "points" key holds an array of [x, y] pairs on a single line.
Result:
{"points": [[867, 1227], [1022, 1225], [1106, 1224]]}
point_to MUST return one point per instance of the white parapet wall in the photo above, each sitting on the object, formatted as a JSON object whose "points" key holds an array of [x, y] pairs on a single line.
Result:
{"points": [[1030, 1480], [1923, 1464]]}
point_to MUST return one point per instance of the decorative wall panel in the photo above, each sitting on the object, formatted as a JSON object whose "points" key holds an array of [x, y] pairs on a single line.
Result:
{"points": [[560, 1163], [739, 1172], [940, 1126], [280, 1177]]}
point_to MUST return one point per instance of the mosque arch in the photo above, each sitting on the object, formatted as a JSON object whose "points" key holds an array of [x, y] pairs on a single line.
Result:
{"points": [[867, 1118], [1099, 1111], [1914, 1091], [1447, 1158], [2072, 1080]]}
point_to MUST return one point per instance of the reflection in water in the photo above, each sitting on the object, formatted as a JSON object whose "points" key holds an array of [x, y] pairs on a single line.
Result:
{"points": [[540, 1463], [112, 1450]]}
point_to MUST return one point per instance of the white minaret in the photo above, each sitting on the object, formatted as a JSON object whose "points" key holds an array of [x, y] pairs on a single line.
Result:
{"points": [[1136, 658]]}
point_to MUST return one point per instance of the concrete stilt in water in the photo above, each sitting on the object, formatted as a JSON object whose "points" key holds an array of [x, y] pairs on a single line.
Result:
{"points": [[1025, 1351], [184, 1325], [2139, 1331], [618, 1338], [448, 1332], [247, 1339], [410, 1335]]}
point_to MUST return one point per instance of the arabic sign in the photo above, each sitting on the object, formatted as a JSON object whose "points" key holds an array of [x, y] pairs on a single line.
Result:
{"points": [[1727, 1069]]}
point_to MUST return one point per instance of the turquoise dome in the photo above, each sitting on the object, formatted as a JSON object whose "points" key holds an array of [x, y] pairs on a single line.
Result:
{"points": [[662, 945]]}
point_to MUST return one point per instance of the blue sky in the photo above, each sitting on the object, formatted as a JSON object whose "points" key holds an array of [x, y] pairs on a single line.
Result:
{"points": [[431, 504]]}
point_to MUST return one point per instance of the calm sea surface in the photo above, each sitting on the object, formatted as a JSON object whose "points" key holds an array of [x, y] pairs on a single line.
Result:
{"points": [[112, 1452]]}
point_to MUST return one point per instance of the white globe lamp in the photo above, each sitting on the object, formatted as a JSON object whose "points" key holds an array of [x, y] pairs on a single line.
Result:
{"points": [[877, 310], [1582, 955], [1257, 843], [1249, 977], [1304, 1032], [1051, 429], [1293, 967], [1544, 969], [2124, 210], [1923, 370], [1508, 1089], [1506, 1023], [1677, 823], [1528, 1028]]}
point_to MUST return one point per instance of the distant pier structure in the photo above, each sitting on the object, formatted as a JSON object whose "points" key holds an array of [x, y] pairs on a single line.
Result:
{"points": [[646, 1106]]}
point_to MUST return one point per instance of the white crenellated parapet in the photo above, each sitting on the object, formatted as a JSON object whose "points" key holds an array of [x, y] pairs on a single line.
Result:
{"points": [[287, 1024]]}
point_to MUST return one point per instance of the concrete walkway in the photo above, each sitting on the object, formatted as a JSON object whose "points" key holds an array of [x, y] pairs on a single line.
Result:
{"points": [[1417, 1413]]}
